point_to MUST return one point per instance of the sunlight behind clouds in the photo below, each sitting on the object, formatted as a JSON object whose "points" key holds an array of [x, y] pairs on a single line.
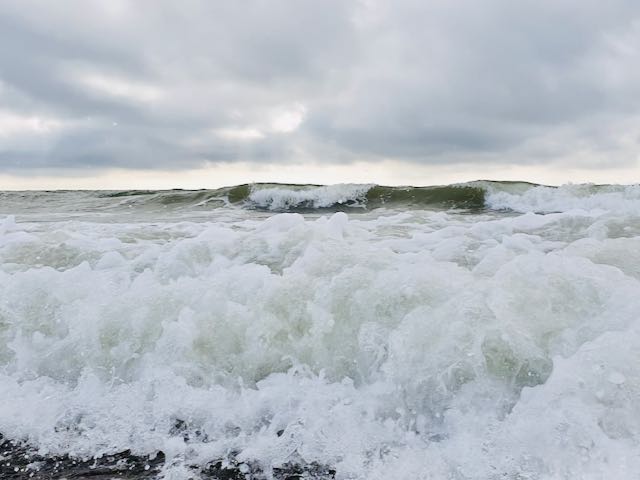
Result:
{"points": [[287, 120]]}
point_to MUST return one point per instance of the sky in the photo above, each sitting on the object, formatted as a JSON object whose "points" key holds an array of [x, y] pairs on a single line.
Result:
{"points": [[198, 93]]}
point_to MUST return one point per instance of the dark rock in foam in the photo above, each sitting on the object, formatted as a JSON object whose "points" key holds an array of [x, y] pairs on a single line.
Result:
{"points": [[19, 461]]}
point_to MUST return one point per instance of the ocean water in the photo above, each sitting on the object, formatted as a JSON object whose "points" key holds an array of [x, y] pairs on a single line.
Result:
{"points": [[489, 330]]}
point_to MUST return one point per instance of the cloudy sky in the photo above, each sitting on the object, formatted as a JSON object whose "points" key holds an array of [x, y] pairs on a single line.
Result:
{"points": [[197, 93]]}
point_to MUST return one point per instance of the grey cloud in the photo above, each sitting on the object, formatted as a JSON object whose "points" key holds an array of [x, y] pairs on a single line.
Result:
{"points": [[488, 77], [430, 82], [30, 62]]}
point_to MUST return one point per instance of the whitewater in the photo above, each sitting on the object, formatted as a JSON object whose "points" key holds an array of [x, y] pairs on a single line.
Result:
{"points": [[487, 330]]}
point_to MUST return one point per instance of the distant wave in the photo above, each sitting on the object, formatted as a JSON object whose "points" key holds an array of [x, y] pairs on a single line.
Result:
{"points": [[518, 197]]}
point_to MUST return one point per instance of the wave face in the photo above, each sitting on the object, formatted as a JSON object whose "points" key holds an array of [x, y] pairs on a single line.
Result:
{"points": [[483, 331]]}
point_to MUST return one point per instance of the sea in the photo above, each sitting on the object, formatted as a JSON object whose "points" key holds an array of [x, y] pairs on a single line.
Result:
{"points": [[484, 330]]}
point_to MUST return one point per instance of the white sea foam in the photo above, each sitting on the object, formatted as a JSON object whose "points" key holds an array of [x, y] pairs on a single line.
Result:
{"points": [[409, 345], [618, 198]]}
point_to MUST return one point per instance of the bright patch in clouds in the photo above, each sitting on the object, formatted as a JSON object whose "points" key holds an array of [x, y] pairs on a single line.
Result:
{"points": [[15, 124], [286, 120], [280, 120], [239, 133], [118, 87]]}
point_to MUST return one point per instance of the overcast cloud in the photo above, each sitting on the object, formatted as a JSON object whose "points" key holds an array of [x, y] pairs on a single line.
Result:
{"points": [[86, 85]]}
